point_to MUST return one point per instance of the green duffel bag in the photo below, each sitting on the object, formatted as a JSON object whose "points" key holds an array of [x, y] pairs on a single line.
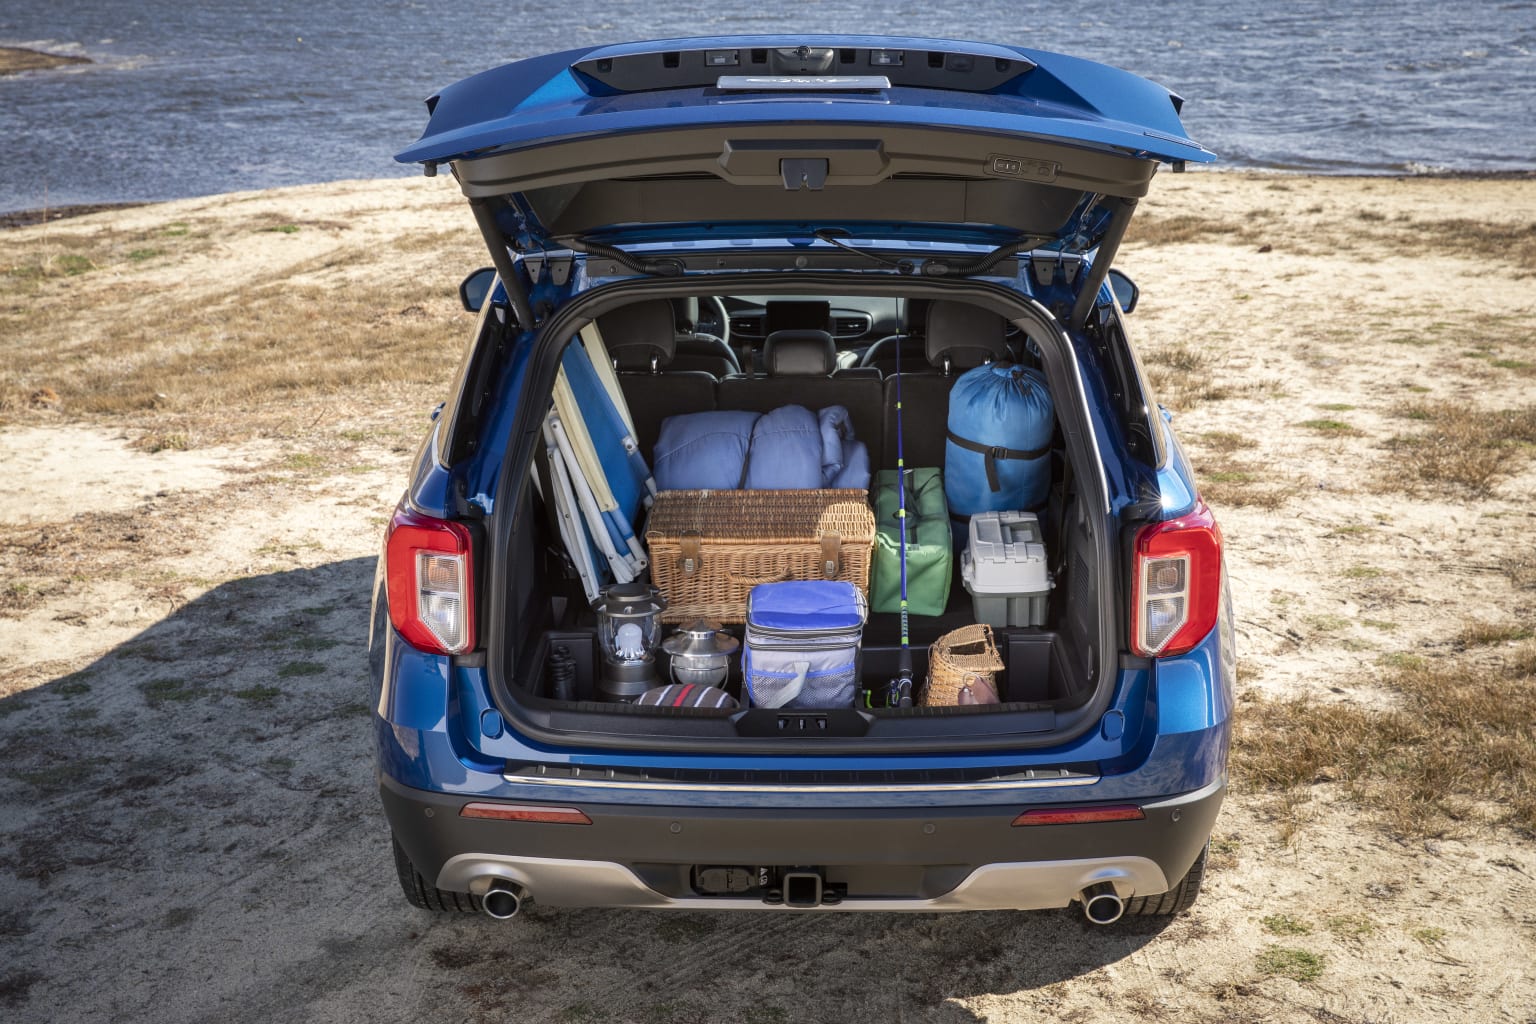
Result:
{"points": [[930, 551]]}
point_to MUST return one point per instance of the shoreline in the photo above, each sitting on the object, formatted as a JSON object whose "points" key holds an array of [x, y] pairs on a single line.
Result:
{"points": [[16, 59], [32, 216], [49, 214]]}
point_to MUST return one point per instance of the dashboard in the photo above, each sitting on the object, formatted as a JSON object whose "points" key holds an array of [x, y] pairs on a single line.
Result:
{"points": [[854, 324]]}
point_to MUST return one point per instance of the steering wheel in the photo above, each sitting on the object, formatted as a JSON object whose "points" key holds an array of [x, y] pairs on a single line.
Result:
{"points": [[874, 351], [725, 318]]}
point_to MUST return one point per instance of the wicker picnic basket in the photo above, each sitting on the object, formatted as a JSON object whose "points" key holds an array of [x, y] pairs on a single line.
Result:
{"points": [[960, 658], [710, 548]]}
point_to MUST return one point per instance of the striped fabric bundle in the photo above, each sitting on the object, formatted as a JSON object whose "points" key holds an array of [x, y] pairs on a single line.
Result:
{"points": [[687, 695]]}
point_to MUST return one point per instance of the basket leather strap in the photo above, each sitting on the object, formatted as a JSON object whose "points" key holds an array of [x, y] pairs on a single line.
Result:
{"points": [[692, 559], [993, 452], [831, 554]]}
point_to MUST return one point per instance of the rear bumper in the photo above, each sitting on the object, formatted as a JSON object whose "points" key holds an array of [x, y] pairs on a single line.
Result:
{"points": [[883, 858]]}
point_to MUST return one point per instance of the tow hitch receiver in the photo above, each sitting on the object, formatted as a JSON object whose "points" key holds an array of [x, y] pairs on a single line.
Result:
{"points": [[802, 889]]}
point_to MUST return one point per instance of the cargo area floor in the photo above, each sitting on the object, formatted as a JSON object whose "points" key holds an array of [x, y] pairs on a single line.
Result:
{"points": [[884, 628]]}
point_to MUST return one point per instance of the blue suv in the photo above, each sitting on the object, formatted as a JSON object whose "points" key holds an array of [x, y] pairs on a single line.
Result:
{"points": [[756, 221]]}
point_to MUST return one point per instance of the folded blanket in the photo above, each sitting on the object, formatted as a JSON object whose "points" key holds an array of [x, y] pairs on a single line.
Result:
{"points": [[703, 451], [786, 451], [844, 460], [790, 448]]}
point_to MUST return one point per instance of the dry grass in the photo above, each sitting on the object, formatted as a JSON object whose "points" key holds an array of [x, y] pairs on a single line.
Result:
{"points": [[1460, 445], [1460, 739], [1483, 634], [134, 325], [1512, 243], [1520, 567], [268, 345], [1297, 964], [1245, 487], [1229, 477], [1183, 376], [196, 370], [1225, 441], [1152, 229]]}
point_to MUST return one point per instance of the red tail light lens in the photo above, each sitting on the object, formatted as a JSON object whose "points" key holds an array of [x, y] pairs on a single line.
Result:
{"points": [[1176, 584], [429, 577]]}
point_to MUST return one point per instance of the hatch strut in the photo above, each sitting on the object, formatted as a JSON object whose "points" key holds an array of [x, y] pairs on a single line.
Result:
{"points": [[496, 241], [1108, 245]]}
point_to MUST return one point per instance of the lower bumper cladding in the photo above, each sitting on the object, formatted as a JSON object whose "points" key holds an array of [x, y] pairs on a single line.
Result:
{"points": [[767, 852], [1033, 885]]}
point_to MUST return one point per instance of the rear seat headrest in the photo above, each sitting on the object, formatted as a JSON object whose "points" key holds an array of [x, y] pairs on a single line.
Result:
{"points": [[964, 335], [799, 354], [641, 336]]}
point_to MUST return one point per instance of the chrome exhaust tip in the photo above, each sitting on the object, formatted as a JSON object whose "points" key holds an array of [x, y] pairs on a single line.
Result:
{"points": [[1101, 903], [502, 901]]}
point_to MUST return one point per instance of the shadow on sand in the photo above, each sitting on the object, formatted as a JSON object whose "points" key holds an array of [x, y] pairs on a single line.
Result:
{"points": [[200, 801]]}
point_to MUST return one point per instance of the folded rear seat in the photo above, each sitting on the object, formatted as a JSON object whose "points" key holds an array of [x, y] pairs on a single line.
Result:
{"points": [[800, 369], [960, 337]]}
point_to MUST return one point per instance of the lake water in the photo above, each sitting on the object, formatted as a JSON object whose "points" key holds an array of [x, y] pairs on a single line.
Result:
{"points": [[196, 98]]}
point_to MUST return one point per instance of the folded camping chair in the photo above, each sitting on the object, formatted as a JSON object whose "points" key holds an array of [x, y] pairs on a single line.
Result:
{"points": [[606, 482]]}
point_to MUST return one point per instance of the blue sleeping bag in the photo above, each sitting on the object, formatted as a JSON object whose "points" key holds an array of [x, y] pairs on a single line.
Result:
{"points": [[703, 451], [997, 455], [790, 448]]}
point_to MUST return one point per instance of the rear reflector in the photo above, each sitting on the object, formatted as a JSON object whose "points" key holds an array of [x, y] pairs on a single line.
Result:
{"points": [[525, 812], [1079, 815]]}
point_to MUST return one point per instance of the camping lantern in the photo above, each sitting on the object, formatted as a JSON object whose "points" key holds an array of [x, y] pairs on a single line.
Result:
{"points": [[701, 653], [628, 629]]}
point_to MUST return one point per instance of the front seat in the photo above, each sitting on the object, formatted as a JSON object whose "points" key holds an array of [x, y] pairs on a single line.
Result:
{"points": [[704, 352], [912, 345], [644, 336]]}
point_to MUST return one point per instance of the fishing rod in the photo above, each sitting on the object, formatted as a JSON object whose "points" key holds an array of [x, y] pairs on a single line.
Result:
{"points": [[899, 692]]}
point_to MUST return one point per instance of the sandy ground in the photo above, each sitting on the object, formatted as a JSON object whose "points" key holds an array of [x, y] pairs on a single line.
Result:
{"points": [[191, 829]]}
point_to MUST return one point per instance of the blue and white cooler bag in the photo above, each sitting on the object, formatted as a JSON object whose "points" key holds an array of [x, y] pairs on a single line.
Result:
{"points": [[802, 644]]}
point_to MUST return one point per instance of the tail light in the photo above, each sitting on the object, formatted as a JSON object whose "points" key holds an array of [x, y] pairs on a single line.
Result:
{"points": [[429, 577], [1176, 584]]}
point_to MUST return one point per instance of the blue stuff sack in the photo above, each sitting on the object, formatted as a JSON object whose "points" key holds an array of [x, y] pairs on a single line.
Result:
{"points": [[997, 456], [802, 644]]}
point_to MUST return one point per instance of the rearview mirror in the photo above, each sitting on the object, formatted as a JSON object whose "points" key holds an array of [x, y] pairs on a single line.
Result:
{"points": [[1126, 292], [476, 287]]}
